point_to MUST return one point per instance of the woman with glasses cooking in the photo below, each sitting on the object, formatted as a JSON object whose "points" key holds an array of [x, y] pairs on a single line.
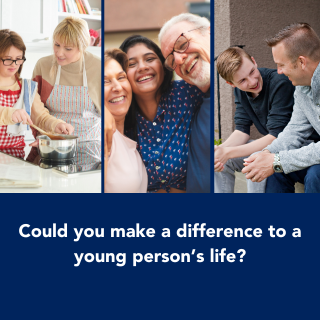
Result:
{"points": [[160, 115], [19, 100]]}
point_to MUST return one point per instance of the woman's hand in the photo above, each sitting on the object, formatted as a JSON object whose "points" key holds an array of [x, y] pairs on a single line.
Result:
{"points": [[109, 129], [21, 116], [65, 128]]}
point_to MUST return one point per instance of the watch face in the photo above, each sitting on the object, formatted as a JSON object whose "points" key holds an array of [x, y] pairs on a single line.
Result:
{"points": [[277, 168]]}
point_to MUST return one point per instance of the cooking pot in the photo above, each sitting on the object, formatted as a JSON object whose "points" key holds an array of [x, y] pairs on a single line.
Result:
{"points": [[57, 149]]}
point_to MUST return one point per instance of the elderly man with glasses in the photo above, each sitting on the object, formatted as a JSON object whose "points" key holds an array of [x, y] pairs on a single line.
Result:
{"points": [[185, 43]]}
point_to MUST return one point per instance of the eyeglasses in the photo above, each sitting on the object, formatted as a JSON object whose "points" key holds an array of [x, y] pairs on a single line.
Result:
{"points": [[9, 62], [180, 46]]}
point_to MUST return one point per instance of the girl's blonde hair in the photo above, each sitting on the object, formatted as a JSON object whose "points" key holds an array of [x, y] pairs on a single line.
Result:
{"points": [[8, 39], [71, 31]]}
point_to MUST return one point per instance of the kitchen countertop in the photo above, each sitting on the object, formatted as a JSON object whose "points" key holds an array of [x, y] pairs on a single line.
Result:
{"points": [[53, 182]]}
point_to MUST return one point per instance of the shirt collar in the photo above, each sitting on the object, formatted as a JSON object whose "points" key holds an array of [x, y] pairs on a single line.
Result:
{"points": [[207, 94], [315, 84], [161, 109]]}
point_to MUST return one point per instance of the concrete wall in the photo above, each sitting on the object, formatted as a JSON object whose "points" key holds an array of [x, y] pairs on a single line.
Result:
{"points": [[249, 22], [222, 33]]}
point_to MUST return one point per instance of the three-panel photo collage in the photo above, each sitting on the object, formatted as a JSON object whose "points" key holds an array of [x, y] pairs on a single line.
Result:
{"points": [[109, 96], [104, 97]]}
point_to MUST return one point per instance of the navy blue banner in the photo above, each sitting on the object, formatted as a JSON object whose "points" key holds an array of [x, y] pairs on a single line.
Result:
{"points": [[276, 279]]}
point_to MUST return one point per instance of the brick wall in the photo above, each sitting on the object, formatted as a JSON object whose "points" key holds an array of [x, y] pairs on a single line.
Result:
{"points": [[130, 15]]}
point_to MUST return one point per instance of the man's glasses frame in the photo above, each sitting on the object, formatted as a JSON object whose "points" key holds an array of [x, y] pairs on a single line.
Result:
{"points": [[13, 61], [169, 62]]}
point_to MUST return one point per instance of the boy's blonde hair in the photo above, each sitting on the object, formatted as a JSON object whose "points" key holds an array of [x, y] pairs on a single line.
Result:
{"points": [[229, 62], [71, 31]]}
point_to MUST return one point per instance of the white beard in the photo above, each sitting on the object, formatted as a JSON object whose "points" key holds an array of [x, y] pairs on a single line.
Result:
{"points": [[200, 78]]}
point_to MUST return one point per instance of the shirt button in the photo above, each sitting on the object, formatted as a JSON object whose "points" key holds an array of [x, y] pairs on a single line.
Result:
{"points": [[157, 167], [154, 123], [163, 181], [158, 140], [156, 152]]}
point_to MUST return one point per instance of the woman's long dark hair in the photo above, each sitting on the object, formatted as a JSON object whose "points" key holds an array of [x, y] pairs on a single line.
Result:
{"points": [[130, 123]]}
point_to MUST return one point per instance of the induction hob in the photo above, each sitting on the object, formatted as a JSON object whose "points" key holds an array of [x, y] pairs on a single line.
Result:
{"points": [[87, 159]]}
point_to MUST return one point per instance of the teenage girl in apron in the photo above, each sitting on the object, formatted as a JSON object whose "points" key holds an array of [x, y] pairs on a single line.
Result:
{"points": [[19, 100]]}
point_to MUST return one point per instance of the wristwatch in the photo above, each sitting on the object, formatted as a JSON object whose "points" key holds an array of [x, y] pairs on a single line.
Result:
{"points": [[277, 167]]}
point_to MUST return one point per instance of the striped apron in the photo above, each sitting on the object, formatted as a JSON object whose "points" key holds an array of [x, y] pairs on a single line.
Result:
{"points": [[88, 155], [73, 105]]}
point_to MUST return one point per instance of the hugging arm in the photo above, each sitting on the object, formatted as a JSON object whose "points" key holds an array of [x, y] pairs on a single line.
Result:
{"points": [[105, 160], [109, 129]]}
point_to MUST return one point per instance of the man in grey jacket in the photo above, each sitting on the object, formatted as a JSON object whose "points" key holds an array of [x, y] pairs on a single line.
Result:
{"points": [[293, 158]]}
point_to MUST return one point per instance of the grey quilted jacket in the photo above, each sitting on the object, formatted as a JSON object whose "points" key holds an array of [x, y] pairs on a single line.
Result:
{"points": [[296, 152]]}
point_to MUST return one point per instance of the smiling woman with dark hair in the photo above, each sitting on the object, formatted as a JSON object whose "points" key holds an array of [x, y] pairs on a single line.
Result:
{"points": [[164, 85], [124, 169], [160, 115]]}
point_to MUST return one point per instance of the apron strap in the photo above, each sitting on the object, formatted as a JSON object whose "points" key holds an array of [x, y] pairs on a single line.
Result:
{"points": [[58, 75], [20, 85], [85, 82]]}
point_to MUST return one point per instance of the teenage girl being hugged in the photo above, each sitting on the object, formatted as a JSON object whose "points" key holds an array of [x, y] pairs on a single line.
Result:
{"points": [[160, 115]]}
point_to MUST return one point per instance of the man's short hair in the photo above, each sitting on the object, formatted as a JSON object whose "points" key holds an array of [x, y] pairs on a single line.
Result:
{"points": [[229, 62], [196, 20], [299, 39]]}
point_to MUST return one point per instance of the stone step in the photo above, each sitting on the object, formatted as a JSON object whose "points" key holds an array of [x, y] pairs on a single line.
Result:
{"points": [[241, 184]]}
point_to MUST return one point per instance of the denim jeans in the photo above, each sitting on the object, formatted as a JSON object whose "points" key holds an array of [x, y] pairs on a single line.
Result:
{"points": [[224, 181], [284, 183]]}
